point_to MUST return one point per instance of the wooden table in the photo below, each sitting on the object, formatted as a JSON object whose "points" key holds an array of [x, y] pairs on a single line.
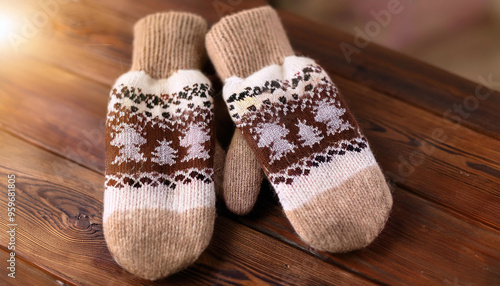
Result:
{"points": [[436, 136]]}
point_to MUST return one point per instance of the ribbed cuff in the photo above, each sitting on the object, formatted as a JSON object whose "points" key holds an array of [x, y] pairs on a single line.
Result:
{"points": [[244, 43], [167, 42]]}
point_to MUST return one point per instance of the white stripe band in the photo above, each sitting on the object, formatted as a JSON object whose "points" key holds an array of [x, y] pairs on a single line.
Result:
{"points": [[183, 197]]}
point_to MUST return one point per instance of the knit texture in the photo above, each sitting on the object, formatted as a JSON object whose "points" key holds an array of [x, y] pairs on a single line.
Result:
{"points": [[159, 200], [295, 120], [242, 176], [233, 54], [167, 42], [242, 44]]}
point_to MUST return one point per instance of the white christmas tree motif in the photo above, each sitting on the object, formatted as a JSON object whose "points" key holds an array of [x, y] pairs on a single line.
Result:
{"points": [[272, 135], [129, 142], [164, 154], [309, 134], [328, 113], [194, 139]]}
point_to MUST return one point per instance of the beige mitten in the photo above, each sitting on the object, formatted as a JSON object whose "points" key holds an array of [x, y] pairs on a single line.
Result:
{"points": [[159, 201], [302, 133]]}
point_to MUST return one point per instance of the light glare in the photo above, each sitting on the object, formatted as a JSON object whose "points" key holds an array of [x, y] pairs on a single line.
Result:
{"points": [[7, 26]]}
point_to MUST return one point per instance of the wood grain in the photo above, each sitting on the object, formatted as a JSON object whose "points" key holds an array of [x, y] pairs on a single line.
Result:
{"points": [[60, 229], [435, 158], [483, 166], [54, 96], [380, 69], [443, 163], [397, 75], [444, 228], [422, 244], [371, 102], [27, 273]]}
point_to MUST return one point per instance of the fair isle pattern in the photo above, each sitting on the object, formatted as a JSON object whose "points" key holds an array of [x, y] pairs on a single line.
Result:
{"points": [[159, 198], [296, 118], [299, 128], [158, 132], [154, 179]]}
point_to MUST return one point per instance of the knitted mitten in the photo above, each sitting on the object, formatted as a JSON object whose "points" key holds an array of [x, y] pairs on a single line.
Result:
{"points": [[297, 124], [159, 202]]}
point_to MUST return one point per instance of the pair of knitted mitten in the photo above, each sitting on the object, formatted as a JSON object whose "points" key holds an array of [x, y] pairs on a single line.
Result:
{"points": [[159, 202]]}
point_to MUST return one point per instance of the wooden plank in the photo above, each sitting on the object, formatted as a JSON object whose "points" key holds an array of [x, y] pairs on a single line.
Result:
{"points": [[247, 257], [404, 139], [403, 76], [435, 158], [87, 40], [378, 68], [101, 33], [466, 181], [58, 110], [364, 98], [61, 222], [27, 274], [397, 75], [447, 168], [422, 244]]}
